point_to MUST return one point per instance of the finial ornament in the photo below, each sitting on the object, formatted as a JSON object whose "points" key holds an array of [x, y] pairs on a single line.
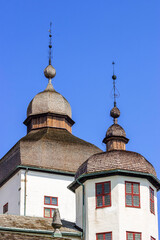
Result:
{"points": [[50, 71], [115, 112]]}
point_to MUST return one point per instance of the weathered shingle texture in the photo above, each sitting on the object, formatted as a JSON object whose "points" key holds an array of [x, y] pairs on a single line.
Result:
{"points": [[49, 148], [117, 159], [39, 223], [13, 222]]}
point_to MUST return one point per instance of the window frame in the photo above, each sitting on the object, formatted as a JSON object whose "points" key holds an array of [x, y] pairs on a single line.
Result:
{"points": [[50, 201], [133, 194], [133, 235], [152, 238], [103, 194], [151, 201], [50, 212], [103, 235], [4, 206]]}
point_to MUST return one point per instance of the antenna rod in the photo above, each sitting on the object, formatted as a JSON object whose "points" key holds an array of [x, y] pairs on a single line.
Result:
{"points": [[50, 44], [114, 85]]}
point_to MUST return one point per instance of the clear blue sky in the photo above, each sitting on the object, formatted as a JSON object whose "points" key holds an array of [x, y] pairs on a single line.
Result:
{"points": [[88, 36]]}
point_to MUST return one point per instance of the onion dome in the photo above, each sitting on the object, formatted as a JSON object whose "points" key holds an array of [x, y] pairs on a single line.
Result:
{"points": [[49, 101], [115, 138]]}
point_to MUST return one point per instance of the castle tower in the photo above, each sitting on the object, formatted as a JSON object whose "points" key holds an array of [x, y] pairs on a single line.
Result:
{"points": [[116, 191], [35, 172]]}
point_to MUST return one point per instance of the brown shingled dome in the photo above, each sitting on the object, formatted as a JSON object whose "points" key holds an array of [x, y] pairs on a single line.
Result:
{"points": [[115, 130], [117, 159], [49, 101]]}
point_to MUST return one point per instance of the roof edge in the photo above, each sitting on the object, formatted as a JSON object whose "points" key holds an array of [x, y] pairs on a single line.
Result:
{"points": [[154, 180], [35, 231]]}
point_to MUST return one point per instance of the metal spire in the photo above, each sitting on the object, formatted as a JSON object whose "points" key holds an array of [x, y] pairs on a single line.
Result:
{"points": [[50, 71], [50, 43], [115, 91], [115, 113]]}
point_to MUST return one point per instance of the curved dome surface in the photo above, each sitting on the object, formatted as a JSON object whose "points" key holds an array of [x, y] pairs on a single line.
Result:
{"points": [[117, 159], [115, 130], [49, 101]]}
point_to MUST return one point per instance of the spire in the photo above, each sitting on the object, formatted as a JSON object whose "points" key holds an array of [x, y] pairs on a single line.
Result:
{"points": [[50, 71], [115, 138], [50, 43], [115, 112]]}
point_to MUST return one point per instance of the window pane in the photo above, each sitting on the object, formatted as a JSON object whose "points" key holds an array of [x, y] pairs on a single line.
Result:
{"points": [[136, 188], [47, 200], [52, 211], [107, 187], [107, 200], [129, 200], [99, 201], [99, 189], [130, 236], [136, 201], [47, 212], [137, 236], [152, 207], [128, 187], [54, 201], [152, 194], [100, 236], [107, 236]]}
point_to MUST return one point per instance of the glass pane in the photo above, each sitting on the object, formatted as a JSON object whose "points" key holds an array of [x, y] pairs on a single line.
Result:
{"points": [[52, 212], [47, 212], [128, 187], [99, 189], [137, 236], [54, 201], [107, 187], [100, 236], [152, 207], [136, 201], [99, 201], [129, 200], [107, 236], [130, 236], [152, 194], [136, 188], [107, 200], [47, 200]]}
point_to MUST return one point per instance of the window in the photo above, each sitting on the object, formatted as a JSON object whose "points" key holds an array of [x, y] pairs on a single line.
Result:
{"points": [[151, 200], [153, 238], [104, 236], [48, 212], [132, 194], [50, 200], [5, 208], [133, 236], [103, 194]]}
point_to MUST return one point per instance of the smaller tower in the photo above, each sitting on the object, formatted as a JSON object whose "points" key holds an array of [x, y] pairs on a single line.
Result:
{"points": [[116, 190]]}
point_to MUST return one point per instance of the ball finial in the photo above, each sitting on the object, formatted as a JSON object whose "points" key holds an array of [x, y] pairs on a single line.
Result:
{"points": [[50, 72]]}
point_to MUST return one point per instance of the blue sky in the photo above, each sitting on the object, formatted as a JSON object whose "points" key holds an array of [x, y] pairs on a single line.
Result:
{"points": [[87, 37]]}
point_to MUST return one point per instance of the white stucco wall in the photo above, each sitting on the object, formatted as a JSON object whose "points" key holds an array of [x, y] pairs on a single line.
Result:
{"points": [[118, 219], [10, 192], [40, 184]]}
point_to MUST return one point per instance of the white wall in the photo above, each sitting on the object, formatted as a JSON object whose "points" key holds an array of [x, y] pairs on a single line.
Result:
{"points": [[118, 218], [10, 192], [41, 184]]}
